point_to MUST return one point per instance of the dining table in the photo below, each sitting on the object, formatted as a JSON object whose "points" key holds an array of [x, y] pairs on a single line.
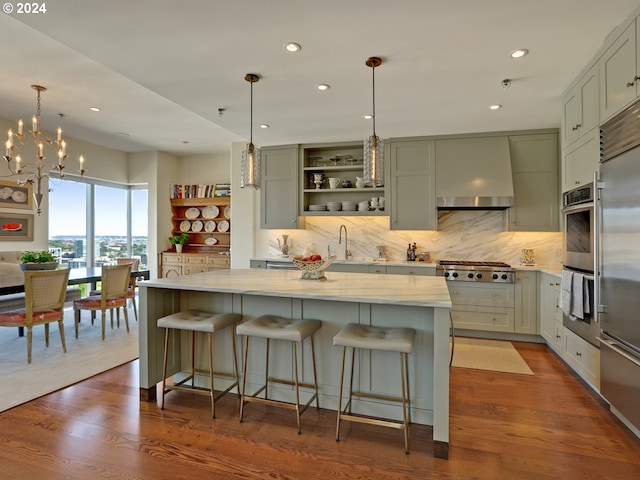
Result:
{"points": [[77, 276]]}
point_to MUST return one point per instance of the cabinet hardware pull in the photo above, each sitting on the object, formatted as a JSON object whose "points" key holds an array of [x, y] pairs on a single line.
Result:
{"points": [[630, 84], [578, 354]]}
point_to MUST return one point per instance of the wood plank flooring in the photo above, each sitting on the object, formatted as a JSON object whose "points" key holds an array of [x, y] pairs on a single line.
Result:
{"points": [[503, 426]]}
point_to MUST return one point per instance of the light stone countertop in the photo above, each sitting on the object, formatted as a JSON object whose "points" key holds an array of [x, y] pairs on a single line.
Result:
{"points": [[424, 291]]}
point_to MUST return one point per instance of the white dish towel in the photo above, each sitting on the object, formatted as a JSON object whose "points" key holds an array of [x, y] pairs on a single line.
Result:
{"points": [[566, 284], [577, 297]]}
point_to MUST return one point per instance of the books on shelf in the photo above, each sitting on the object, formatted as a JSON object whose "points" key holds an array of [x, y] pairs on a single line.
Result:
{"points": [[199, 191]]}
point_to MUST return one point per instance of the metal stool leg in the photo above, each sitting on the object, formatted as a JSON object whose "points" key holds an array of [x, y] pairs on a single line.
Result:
{"points": [[344, 355], [404, 402], [315, 374], [213, 396], [244, 375], [164, 365], [295, 370]]}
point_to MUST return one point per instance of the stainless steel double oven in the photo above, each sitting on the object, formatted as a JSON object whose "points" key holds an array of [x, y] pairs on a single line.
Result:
{"points": [[579, 253]]}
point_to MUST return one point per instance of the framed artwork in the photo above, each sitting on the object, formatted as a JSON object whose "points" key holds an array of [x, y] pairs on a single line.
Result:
{"points": [[13, 195], [16, 227]]}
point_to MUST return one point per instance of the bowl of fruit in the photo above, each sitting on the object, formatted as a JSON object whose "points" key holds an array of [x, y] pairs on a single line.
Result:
{"points": [[312, 266]]}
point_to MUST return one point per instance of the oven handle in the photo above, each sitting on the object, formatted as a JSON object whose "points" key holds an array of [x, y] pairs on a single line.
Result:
{"points": [[619, 350], [597, 233], [578, 208]]}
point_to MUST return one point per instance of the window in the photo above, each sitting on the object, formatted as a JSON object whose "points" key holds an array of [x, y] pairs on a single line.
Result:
{"points": [[94, 224]]}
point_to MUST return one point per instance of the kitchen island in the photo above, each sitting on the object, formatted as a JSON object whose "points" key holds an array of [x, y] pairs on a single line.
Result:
{"points": [[418, 302]]}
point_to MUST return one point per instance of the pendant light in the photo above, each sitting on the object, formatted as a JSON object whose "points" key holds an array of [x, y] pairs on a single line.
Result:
{"points": [[373, 168], [250, 167]]}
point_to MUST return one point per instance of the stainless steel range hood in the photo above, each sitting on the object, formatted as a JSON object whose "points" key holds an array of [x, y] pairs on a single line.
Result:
{"points": [[474, 173]]}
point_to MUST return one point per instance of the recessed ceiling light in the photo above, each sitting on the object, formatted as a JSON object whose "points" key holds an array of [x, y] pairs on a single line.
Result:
{"points": [[94, 109], [323, 86], [292, 47], [495, 107], [521, 52], [264, 125], [367, 116]]}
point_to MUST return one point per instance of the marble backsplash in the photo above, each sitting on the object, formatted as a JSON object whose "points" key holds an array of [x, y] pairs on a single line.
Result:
{"points": [[461, 235]]}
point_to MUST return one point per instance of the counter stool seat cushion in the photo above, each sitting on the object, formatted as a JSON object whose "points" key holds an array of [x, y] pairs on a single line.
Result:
{"points": [[197, 321], [278, 328], [376, 338]]}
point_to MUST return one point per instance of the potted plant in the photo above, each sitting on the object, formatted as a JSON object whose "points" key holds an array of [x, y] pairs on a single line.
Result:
{"points": [[40, 260], [179, 240]]}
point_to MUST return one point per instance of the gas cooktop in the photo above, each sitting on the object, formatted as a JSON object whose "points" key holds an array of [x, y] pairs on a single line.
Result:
{"points": [[475, 271]]}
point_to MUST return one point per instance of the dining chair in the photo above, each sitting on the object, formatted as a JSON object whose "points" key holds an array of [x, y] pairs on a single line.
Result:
{"points": [[113, 295], [131, 293], [45, 292]]}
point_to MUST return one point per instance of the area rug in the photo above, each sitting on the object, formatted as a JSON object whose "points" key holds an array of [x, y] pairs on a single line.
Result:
{"points": [[50, 368], [494, 355]]}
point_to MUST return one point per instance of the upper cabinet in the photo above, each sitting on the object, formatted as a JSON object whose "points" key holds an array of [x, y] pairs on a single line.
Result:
{"points": [[580, 160], [279, 190], [329, 181], [580, 108], [619, 73], [412, 185], [534, 163]]}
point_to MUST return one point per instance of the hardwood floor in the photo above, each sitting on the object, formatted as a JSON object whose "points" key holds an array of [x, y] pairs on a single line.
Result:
{"points": [[503, 426]]}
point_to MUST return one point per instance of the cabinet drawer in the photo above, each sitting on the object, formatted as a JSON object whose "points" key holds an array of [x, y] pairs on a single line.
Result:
{"points": [[171, 271], [409, 270], [483, 318], [583, 357], [171, 258], [195, 260], [191, 269], [377, 269], [489, 295], [218, 262]]}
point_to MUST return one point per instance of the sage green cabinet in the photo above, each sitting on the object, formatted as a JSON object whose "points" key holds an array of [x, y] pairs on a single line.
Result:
{"points": [[279, 190], [580, 160], [534, 163], [619, 74], [526, 302], [549, 313], [581, 107], [412, 185]]}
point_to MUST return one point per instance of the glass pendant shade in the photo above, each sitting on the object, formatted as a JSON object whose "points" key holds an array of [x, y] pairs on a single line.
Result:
{"points": [[250, 167], [373, 163]]}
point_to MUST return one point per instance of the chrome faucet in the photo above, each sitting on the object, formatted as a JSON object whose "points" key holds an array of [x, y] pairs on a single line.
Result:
{"points": [[347, 253]]}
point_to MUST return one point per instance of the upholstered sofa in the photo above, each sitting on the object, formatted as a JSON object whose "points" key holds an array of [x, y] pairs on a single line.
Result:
{"points": [[11, 274]]}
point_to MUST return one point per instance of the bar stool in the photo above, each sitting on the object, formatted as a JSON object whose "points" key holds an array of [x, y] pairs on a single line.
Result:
{"points": [[197, 321], [376, 338], [273, 327]]}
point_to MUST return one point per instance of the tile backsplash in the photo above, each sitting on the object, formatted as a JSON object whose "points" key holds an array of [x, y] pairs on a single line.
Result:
{"points": [[461, 235]]}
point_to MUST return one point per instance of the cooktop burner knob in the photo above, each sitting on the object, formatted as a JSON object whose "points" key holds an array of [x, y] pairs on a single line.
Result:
{"points": [[455, 274], [470, 275], [494, 276], [504, 276], [446, 274], [479, 275]]}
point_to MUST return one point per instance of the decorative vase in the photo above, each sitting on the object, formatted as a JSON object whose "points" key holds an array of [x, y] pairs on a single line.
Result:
{"points": [[178, 248]]}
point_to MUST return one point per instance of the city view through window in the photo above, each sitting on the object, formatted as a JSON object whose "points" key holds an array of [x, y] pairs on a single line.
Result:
{"points": [[70, 221]]}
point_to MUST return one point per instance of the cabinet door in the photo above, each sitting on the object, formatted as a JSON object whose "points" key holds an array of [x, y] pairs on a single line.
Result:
{"points": [[549, 288], [170, 271], [526, 302], [581, 107], [618, 74], [581, 160], [534, 162], [410, 270], [279, 191], [412, 185]]}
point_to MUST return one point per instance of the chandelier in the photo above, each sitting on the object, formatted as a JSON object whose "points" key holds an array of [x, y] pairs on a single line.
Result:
{"points": [[373, 168], [34, 172], [250, 166]]}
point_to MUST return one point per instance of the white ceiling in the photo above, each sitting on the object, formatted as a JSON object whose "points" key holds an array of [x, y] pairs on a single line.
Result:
{"points": [[160, 70]]}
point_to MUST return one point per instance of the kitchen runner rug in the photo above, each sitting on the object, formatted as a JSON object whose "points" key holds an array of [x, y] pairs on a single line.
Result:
{"points": [[482, 354], [51, 369]]}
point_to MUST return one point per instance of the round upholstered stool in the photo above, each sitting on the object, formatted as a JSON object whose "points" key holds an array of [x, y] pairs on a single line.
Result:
{"points": [[376, 338], [196, 321], [273, 327]]}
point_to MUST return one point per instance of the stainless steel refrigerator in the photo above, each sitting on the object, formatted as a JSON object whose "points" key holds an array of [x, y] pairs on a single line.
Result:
{"points": [[618, 295]]}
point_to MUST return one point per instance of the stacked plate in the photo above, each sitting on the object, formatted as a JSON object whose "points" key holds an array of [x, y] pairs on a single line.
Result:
{"points": [[317, 208], [363, 206], [349, 206], [334, 206]]}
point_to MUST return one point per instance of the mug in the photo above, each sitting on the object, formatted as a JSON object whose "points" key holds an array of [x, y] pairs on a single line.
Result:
{"points": [[334, 182]]}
